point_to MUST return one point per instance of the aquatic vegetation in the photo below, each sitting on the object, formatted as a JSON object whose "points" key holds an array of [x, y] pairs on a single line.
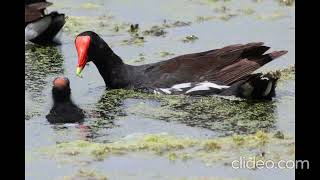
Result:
{"points": [[287, 73], [286, 2], [284, 74], [222, 9], [117, 27], [211, 145], [190, 38], [141, 58], [275, 15], [212, 151], [204, 18], [247, 11], [165, 54], [214, 1], [238, 140], [262, 137], [170, 24], [227, 17], [89, 5], [41, 62], [227, 115], [207, 178], [135, 38], [279, 135], [29, 115], [159, 30], [155, 31], [224, 13], [77, 24], [86, 174], [134, 28]]}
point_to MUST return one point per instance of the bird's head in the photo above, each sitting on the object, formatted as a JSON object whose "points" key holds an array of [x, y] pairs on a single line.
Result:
{"points": [[87, 44], [61, 89]]}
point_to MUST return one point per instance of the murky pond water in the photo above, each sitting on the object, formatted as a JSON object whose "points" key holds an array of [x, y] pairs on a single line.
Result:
{"points": [[113, 116]]}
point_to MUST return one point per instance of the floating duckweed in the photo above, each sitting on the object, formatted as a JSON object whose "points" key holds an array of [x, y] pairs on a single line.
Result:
{"points": [[204, 18], [86, 174], [279, 135], [135, 39], [238, 140], [141, 58], [190, 38], [213, 1], [227, 115], [182, 148], [276, 15], [288, 73], [120, 26], [160, 143], [28, 115], [41, 62], [283, 74], [165, 54], [134, 28], [159, 30], [286, 2], [207, 178], [261, 137], [227, 17], [172, 156], [89, 6], [167, 24], [211, 145], [99, 153], [155, 31], [247, 11], [222, 9], [77, 24], [185, 156]]}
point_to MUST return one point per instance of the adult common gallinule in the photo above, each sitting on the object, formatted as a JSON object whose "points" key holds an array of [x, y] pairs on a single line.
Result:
{"points": [[40, 27], [63, 110], [225, 71]]}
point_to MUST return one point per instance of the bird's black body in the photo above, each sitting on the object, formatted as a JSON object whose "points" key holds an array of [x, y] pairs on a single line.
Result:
{"points": [[229, 66], [64, 110]]}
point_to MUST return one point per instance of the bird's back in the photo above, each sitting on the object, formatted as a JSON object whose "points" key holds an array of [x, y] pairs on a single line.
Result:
{"points": [[226, 66]]}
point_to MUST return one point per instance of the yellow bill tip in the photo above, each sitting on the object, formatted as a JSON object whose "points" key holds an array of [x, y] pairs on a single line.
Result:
{"points": [[79, 70]]}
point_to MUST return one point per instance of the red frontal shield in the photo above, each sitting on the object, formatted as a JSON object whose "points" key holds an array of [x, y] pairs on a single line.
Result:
{"points": [[82, 46]]}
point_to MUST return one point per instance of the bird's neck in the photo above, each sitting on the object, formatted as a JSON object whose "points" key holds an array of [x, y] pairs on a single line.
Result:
{"points": [[61, 96], [110, 66]]}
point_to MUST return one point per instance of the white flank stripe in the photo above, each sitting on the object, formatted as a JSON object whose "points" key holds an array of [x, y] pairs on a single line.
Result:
{"points": [[166, 91], [181, 86], [213, 85], [198, 88]]}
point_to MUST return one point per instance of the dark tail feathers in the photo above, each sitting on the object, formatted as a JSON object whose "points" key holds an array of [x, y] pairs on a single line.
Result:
{"points": [[276, 54], [266, 58]]}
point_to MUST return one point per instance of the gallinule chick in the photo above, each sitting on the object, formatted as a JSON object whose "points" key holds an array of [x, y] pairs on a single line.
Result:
{"points": [[63, 110], [41, 28], [225, 71]]}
